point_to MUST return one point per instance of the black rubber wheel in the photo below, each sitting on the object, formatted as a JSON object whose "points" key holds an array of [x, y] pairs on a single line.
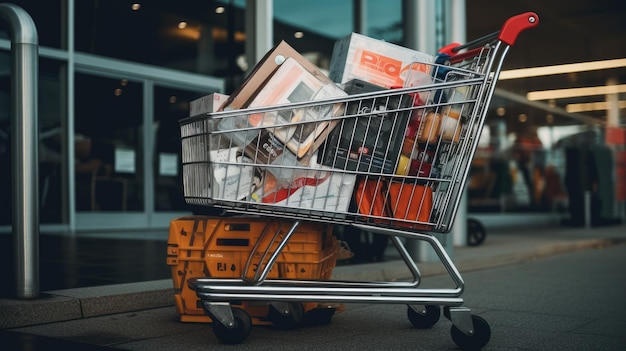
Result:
{"points": [[291, 320], [476, 232], [240, 331], [424, 321], [480, 338], [318, 316]]}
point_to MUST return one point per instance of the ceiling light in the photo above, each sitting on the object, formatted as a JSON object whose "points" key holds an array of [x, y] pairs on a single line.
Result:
{"points": [[575, 92], [298, 35], [220, 9], [182, 24], [135, 6], [592, 106], [562, 69]]}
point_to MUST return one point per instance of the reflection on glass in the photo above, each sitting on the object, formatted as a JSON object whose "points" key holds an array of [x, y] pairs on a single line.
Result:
{"points": [[189, 36], [108, 129], [170, 105], [52, 165]]}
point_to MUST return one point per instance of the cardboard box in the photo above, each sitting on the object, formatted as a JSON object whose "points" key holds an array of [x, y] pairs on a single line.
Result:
{"points": [[207, 104], [262, 148], [264, 69], [321, 189], [378, 62], [371, 141], [232, 180], [289, 84]]}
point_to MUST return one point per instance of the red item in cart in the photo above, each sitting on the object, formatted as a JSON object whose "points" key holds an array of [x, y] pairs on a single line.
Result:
{"points": [[369, 196], [411, 202], [415, 161], [412, 167]]}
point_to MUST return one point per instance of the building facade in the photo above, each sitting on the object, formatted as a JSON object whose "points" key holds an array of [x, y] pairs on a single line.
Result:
{"points": [[116, 76]]}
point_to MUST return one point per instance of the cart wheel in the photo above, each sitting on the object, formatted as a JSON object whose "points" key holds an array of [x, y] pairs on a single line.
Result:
{"points": [[239, 332], [319, 316], [424, 320], [480, 338], [287, 322], [476, 232]]}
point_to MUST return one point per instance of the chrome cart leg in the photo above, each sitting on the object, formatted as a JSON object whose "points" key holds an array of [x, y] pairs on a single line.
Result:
{"points": [[461, 317], [410, 263], [230, 325], [220, 312], [286, 315]]}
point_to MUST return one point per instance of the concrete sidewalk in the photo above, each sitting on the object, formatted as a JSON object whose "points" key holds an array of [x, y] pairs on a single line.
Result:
{"points": [[502, 246]]}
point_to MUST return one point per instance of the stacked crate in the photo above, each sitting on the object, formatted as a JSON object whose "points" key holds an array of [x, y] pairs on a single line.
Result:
{"points": [[218, 247]]}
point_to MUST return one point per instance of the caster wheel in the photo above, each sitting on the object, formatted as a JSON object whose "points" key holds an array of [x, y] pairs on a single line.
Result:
{"points": [[480, 338], [287, 322], [318, 316], [426, 320], [476, 233], [239, 332]]}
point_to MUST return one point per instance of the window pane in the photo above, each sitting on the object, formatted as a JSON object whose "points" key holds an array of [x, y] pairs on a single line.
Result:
{"points": [[384, 20], [170, 105], [185, 35], [108, 127], [51, 102]]}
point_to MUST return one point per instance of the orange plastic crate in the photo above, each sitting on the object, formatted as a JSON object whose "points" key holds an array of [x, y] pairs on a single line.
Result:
{"points": [[202, 246]]}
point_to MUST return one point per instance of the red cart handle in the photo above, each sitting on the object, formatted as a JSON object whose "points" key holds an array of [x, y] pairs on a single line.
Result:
{"points": [[516, 24], [508, 34]]}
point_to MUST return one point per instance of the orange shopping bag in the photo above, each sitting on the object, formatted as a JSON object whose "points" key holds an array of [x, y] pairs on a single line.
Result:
{"points": [[410, 202], [370, 198]]}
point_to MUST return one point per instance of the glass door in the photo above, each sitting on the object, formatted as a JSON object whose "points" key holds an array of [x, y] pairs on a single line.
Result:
{"points": [[170, 105], [108, 119], [127, 170]]}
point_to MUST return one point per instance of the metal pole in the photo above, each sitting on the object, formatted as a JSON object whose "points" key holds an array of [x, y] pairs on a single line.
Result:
{"points": [[24, 145], [419, 18], [455, 22], [259, 40]]}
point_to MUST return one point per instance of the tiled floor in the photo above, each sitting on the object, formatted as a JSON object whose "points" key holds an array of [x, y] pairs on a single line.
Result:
{"points": [[104, 258], [90, 260]]}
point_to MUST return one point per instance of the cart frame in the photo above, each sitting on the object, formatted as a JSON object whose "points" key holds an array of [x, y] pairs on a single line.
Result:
{"points": [[476, 67]]}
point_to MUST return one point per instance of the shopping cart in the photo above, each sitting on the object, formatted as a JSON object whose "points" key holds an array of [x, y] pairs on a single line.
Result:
{"points": [[392, 162]]}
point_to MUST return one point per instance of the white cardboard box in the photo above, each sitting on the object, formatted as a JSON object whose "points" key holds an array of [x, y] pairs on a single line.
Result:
{"points": [[207, 104], [378, 62], [232, 179], [322, 189]]}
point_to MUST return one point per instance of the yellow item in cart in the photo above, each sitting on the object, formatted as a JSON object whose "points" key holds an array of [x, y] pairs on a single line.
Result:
{"points": [[217, 247]]}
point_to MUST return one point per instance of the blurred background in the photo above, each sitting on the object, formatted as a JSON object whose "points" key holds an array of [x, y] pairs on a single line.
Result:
{"points": [[117, 75]]}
